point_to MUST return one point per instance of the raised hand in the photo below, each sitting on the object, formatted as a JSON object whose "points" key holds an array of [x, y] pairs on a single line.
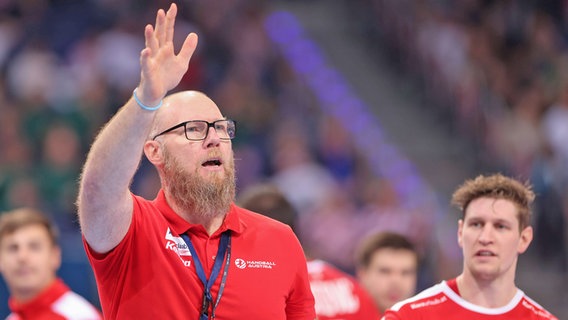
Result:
{"points": [[161, 68]]}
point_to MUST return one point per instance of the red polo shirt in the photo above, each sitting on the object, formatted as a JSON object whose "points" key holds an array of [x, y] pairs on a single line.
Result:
{"points": [[151, 274], [56, 302], [443, 301], [338, 295]]}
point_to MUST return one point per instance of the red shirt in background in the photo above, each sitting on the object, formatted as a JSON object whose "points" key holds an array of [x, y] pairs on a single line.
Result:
{"points": [[338, 295], [57, 302]]}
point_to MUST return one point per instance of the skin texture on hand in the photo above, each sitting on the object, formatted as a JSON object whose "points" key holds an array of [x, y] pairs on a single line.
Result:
{"points": [[161, 68]]}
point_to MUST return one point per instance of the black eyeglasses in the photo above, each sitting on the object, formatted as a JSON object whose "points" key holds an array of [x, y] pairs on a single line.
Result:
{"points": [[196, 130]]}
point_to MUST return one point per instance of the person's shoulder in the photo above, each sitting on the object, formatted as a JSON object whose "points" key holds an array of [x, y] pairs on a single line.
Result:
{"points": [[73, 306], [428, 298], [425, 305], [319, 270], [255, 219], [146, 208], [536, 308], [12, 316]]}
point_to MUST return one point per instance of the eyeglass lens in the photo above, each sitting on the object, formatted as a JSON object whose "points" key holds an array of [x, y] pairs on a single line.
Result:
{"points": [[197, 130]]}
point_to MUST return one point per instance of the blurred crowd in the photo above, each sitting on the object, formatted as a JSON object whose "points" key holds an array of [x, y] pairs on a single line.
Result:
{"points": [[499, 71], [497, 67], [66, 66]]}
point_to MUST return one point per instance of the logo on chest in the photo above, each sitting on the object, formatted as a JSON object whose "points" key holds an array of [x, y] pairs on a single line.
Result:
{"points": [[177, 245], [254, 264]]}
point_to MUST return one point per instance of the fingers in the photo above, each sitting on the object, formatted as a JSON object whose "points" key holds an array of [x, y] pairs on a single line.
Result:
{"points": [[163, 31], [160, 28], [170, 22], [188, 47], [151, 41]]}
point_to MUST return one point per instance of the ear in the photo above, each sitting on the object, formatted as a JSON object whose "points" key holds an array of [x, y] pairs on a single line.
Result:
{"points": [[460, 233], [152, 150], [525, 239]]}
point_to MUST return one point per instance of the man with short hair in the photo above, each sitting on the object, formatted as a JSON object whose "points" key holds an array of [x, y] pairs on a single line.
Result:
{"points": [[29, 259], [387, 266], [493, 231]]}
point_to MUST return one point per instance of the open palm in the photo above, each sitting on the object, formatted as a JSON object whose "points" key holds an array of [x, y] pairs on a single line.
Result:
{"points": [[162, 69]]}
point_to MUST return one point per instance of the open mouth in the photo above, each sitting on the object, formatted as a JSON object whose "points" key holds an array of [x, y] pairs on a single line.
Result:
{"points": [[485, 253], [212, 162]]}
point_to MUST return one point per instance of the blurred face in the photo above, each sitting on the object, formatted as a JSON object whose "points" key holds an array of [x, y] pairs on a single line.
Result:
{"points": [[490, 239], [198, 175], [28, 261], [390, 276]]}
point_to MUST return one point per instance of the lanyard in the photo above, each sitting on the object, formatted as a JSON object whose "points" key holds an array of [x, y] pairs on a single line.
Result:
{"points": [[224, 247]]}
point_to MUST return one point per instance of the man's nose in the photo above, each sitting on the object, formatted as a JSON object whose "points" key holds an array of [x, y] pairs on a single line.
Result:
{"points": [[486, 235], [212, 139]]}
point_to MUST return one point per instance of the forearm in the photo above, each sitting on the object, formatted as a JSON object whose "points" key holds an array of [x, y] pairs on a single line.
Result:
{"points": [[104, 197], [116, 152]]}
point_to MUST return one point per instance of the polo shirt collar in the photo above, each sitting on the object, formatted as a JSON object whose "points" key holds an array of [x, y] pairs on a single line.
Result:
{"points": [[41, 302], [231, 222]]}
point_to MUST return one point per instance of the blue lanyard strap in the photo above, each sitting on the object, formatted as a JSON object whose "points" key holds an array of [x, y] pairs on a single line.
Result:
{"points": [[224, 247]]}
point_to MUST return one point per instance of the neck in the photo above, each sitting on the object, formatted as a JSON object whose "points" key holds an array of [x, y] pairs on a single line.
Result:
{"points": [[490, 293], [26, 295], [210, 224]]}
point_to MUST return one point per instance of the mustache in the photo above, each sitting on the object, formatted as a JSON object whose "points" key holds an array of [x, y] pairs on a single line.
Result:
{"points": [[214, 154]]}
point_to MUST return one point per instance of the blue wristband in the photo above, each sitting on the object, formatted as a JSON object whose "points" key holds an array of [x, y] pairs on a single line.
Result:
{"points": [[143, 106]]}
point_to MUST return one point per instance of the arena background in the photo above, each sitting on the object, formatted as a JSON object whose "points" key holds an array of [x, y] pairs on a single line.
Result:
{"points": [[367, 113]]}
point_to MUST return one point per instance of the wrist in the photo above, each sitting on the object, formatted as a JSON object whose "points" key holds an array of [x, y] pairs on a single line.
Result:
{"points": [[144, 106]]}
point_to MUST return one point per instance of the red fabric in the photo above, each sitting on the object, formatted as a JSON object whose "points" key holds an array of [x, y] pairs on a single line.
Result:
{"points": [[453, 284], [56, 302], [443, 301], [150, 274], [338, 295]]}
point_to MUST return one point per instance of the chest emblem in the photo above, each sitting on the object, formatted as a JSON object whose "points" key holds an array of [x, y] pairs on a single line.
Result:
{"points": [[177, 245]]}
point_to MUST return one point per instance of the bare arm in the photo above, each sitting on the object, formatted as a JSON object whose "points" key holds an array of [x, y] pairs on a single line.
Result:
{"points": [[104, 202]]}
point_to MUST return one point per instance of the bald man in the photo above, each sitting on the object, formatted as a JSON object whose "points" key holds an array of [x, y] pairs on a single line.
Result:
{"points": [[191, 253]]}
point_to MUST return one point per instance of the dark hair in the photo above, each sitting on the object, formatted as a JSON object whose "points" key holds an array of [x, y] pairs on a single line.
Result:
{"points": [[378, 241], [16, 219], [268, 200], [497, 186]]}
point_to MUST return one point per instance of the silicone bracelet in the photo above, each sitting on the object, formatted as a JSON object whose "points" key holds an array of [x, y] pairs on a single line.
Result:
{"points": [[143, 106]]}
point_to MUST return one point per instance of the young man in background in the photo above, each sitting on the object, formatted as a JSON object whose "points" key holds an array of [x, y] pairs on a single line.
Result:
{"points": [[29, 260], [387, 266], [493, 231]]}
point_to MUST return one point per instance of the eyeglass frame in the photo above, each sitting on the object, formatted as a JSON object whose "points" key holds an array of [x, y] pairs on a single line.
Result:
{"points": [[209, 125]]}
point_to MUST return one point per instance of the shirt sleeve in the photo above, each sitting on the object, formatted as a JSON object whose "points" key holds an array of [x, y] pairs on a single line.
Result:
{"points": [[300, 303]]}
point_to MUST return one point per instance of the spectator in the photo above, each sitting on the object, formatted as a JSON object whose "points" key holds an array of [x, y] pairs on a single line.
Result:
{"points": [[387, 266], [29, 259]]}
